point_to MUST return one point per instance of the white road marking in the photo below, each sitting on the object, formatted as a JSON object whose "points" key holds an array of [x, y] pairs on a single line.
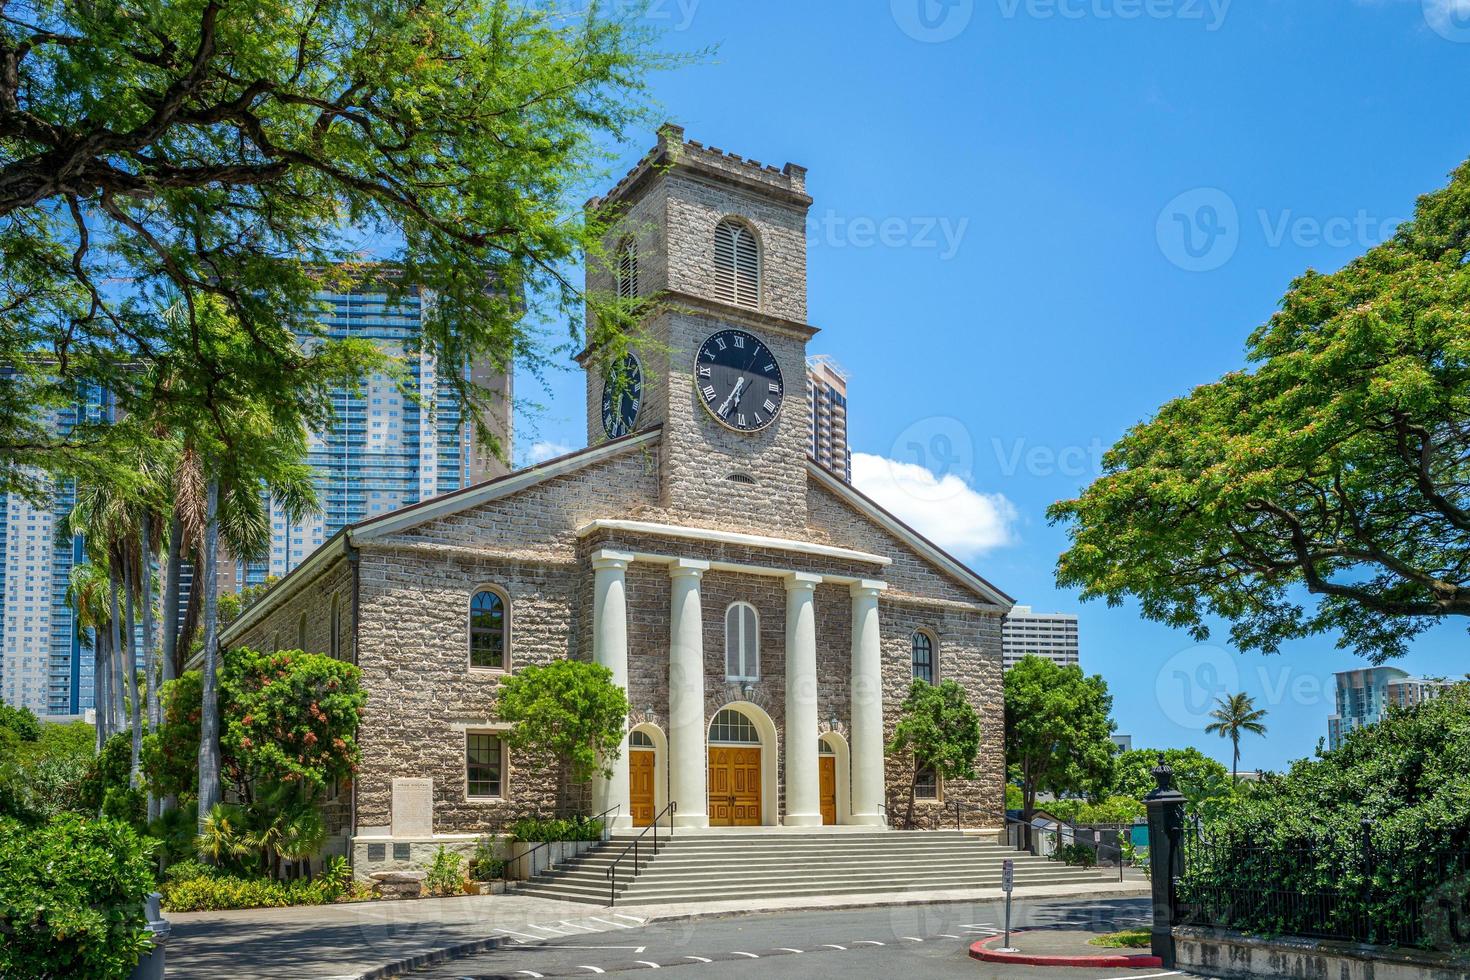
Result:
{"points": [[835, 946], [977, 925], [912, 939], [1147, 976], [632, 918], [736, 952], [700, 959], [529, 973], [868, 942], [629, 949], [550, 929], [788, 949], [594, 969], [947, 935], [527, 934], [648, 963], [577, 925], [608, 922]]}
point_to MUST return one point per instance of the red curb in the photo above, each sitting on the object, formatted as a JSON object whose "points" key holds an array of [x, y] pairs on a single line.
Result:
{"points": [[980, 951]]}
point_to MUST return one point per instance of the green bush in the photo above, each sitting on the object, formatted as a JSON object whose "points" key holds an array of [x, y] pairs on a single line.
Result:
{"points": [[536, 830], [72, 898], [22, 721], [1076, 855], [445, 876], [1113, 810], [484, 864], [193, 887]]}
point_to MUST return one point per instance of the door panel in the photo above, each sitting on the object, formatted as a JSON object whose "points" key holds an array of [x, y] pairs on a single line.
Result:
{"points": [[828, 770], [734, 786], [640, 778]]}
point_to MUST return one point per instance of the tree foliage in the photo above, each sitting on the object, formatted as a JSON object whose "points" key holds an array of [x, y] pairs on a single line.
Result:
{"points": [[1236, 715], [1058, 730], [567, 711], [940, 729], [1133, 770], [1339, 466], [228, 161]]}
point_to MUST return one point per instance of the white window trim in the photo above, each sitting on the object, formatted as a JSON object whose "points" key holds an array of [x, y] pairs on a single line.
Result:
{"points": [[464, 765], [745, 675], [508, 660]]}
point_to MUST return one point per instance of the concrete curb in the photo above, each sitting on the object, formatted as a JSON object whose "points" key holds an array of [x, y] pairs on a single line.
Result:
{"points": [[980, 951], [473, 947]]}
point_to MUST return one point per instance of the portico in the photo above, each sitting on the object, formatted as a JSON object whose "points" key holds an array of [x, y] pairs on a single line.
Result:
{"points": [[798, 744]]}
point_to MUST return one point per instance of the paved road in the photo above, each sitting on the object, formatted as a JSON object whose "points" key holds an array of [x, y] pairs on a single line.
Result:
{"points": [[916, 942]]}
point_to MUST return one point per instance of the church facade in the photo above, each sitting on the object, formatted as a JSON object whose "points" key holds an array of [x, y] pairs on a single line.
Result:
{"points": [[765, 619]]}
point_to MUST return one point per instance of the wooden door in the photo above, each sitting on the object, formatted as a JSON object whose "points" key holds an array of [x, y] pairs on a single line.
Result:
{"points": [[640, 778], [827, 766], [734, 786]]}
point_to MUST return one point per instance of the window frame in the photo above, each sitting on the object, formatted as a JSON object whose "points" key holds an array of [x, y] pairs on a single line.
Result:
{"points": [[938, 786], [504, 597], [301, 632], [736, 296], [933, 642], [625, 268], [334, 628], [745, 676], [503, 765]]}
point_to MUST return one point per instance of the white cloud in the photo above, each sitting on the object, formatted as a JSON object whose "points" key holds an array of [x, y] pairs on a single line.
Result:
{"points": [[946, 510], [542, 451]]}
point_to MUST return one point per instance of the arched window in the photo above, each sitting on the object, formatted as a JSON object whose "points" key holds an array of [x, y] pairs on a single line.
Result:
{"points": [[730, 727], [627, 268], [640, 740], [301, 632], [923, 657], [742, 643], [488, 633], [737, 265], [334, 630]]}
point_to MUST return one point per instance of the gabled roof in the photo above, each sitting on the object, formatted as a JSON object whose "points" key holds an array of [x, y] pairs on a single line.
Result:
{"points": [[928, 549]]}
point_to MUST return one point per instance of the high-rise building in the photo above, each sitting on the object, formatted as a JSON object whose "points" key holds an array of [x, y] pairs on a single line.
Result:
{"points": [[826, 390], [1029, 633], [397, 440], [1364, 697], [42, 663]]}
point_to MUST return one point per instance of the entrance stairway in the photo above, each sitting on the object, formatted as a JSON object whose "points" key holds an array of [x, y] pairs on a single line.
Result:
{"points": [[728, 866]]}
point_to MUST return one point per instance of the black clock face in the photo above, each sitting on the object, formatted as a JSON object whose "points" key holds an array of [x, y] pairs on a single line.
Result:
{"points": [[622, 395], [738, 380]]}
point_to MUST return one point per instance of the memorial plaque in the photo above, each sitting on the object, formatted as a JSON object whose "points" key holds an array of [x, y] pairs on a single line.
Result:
{"points": [[413, 808]]}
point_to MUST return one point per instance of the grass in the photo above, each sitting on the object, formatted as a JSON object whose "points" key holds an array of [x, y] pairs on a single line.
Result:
{"points": [[1127, 939]]}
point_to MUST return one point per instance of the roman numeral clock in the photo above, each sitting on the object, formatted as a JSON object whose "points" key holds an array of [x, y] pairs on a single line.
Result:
{"points": [[739, 380]]}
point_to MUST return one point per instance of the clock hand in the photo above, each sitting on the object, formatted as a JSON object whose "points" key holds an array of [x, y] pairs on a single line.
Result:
{"points": [[734, 395]]}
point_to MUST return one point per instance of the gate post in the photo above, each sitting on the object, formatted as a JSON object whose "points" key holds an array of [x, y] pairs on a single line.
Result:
{"points": [[1166, 856]]}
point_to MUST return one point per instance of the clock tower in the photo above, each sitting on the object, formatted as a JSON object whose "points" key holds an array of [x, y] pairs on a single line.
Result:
{"points": [[717, 244]]}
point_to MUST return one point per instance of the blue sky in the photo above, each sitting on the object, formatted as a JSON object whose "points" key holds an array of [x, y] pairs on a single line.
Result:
{"points": [[1038, 220]]}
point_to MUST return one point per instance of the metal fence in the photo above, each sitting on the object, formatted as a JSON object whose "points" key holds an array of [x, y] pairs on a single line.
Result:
{"points": [[1353, 889]]}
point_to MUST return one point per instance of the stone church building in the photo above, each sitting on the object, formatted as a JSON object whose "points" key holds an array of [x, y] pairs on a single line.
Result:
{"points": [[765, 618]]}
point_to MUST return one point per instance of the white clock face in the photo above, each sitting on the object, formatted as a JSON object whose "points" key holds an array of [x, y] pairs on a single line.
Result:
{"points": [[738, 379]]}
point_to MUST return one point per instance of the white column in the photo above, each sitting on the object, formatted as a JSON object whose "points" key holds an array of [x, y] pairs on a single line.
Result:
{"points": [[688, 758], [867, 705], [803, 786], [610, 648]]}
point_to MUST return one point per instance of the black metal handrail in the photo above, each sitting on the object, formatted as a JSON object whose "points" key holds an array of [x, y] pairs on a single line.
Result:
{"points": [[612, 871], [883, 808], [505, 869]]}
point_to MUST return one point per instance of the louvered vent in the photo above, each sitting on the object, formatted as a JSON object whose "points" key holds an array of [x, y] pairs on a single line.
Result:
{"points": [[627, 269], [737, 265]]}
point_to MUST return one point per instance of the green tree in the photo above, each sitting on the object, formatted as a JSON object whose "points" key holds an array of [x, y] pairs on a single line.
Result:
{"points": [[22, 721], [567, 711], [939, 729], [1133, 770], [1058, 730], [1234, 716], [178, 151], [1338, 466]]}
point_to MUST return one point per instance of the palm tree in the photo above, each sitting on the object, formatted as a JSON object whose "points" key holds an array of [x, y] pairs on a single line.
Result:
{"points": [[86, 593], [1236, 714]]}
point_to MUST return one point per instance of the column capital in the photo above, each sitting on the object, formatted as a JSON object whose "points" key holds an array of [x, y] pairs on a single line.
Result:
{"points": [[867, 588], [797, 581], [608, 558], [687, 568]]}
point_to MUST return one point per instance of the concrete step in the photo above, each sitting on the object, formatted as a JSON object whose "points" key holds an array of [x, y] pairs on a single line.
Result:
{"points": [[978, 877]]}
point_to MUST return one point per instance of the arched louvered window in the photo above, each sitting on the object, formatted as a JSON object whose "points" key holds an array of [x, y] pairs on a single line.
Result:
{"points": [[742, 643], [737, 265], [627, 257]]}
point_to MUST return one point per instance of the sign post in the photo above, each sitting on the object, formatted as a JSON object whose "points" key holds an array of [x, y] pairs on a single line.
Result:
{"points": [[1007, 882]]}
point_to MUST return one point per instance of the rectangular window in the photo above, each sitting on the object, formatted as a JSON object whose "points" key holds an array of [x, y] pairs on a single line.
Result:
{"points": [[482, 766], [926, 785]]}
